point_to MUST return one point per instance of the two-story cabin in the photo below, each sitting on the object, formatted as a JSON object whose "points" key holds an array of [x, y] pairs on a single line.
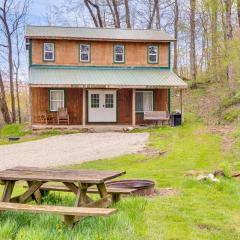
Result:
{"points": [[100, 75]]}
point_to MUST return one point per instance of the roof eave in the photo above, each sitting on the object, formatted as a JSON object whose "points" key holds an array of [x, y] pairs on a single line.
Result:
{"points": [[100, 39], [109, 86]]}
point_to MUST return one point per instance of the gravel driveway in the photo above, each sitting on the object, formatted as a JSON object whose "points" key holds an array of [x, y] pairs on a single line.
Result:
{"points": [[71, 149]]}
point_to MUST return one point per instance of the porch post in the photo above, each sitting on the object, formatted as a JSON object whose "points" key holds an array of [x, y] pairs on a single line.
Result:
{"points": [[30, 105], [133, 107], [84, 107], [181, 101]]}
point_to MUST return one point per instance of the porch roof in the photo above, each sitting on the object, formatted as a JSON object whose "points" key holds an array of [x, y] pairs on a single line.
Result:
{"points": [[104, 78]]}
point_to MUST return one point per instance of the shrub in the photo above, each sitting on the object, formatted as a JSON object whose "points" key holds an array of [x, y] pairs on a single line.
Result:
{"points": [[228, 102], [232, 115]]}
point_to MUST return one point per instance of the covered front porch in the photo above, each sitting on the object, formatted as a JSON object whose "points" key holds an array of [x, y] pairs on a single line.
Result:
{"points": [[101, 97], [98, 106]]}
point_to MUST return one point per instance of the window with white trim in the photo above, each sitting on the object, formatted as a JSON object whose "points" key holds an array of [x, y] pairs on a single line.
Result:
{"points": [[56, 100], [85, 50], [119, 53], [48, 51], [144, 101], [152, 54]]}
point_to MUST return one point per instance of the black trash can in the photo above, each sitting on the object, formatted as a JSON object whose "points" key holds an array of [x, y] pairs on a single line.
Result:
{"points": [[176, 119]]}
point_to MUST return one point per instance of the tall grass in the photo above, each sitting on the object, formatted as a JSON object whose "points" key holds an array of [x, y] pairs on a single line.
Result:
{"points": [[16, 130]]}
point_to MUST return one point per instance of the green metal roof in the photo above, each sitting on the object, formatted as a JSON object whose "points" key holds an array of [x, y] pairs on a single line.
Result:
{"points": [[105, 77], [108, 34]]}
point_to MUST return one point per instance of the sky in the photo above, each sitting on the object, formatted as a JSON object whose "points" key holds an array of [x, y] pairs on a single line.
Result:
{"points": [[37, 10]]}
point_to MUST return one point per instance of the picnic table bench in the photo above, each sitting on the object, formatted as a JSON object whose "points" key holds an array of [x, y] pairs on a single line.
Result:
{"points": [[76, 181]]}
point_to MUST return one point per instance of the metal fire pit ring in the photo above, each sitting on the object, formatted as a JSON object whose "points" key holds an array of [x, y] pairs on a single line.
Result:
{"points": [[143, 187]]}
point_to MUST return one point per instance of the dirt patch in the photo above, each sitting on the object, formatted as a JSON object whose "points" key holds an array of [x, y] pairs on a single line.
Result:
{"points": [[201, 131], [193, 173], [206, 227], [152, 152], [227, 136], [166, 192]]}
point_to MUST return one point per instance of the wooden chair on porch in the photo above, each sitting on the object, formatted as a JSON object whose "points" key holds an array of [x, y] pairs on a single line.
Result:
{"points": [[62, 116], [46, 117]]}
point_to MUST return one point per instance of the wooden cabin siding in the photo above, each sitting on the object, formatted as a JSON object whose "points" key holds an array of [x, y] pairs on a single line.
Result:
{"points": [[124, 99], [39, 103], [73, 102], [67, 53], [160, 103]]}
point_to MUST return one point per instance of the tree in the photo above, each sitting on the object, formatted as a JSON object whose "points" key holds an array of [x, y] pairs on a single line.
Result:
{"points": [[17, 66], [238, 12], [213, 9], [229, 36], [11, 15], [116, 14], [3, 102], [97, 21], [152, 14], [176, 22], [128, 21], [192, 41]]}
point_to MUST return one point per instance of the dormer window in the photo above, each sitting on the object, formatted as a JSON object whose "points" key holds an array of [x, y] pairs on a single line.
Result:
{"points": [[119, 53], [85, 51], [48, 49], [152, 54]]}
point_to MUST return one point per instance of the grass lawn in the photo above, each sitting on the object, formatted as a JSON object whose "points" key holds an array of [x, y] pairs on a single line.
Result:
{"points": [[200, 210], [26, 135]]}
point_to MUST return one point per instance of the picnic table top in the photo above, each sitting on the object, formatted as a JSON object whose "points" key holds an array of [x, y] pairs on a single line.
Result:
{"points": [[58, 175]]}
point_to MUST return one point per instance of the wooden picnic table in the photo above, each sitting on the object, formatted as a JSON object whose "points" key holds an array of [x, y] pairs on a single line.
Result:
{"points": [[77, 181]]}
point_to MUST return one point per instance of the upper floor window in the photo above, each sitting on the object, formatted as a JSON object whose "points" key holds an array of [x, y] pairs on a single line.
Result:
{"points": [[119, 53], [85, 50], [48, 52], [152, 54]]}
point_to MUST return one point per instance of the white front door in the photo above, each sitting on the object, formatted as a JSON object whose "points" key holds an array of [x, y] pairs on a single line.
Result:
{"points": [[102, 106]]}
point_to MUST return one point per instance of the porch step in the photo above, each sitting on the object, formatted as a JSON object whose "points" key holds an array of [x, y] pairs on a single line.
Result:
{"points": [[79, 128]]}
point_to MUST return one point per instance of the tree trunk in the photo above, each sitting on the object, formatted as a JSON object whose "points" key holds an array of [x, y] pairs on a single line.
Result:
{"points": [[18, 98], [229, 29], [176, 21], [214, 39], [112, 12], [158, 20], [229, 36], [192, 43], [128, 22], [153, 14], [118, 25], [98, 23], [238, 12], [10, 64], [3, 103]]}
